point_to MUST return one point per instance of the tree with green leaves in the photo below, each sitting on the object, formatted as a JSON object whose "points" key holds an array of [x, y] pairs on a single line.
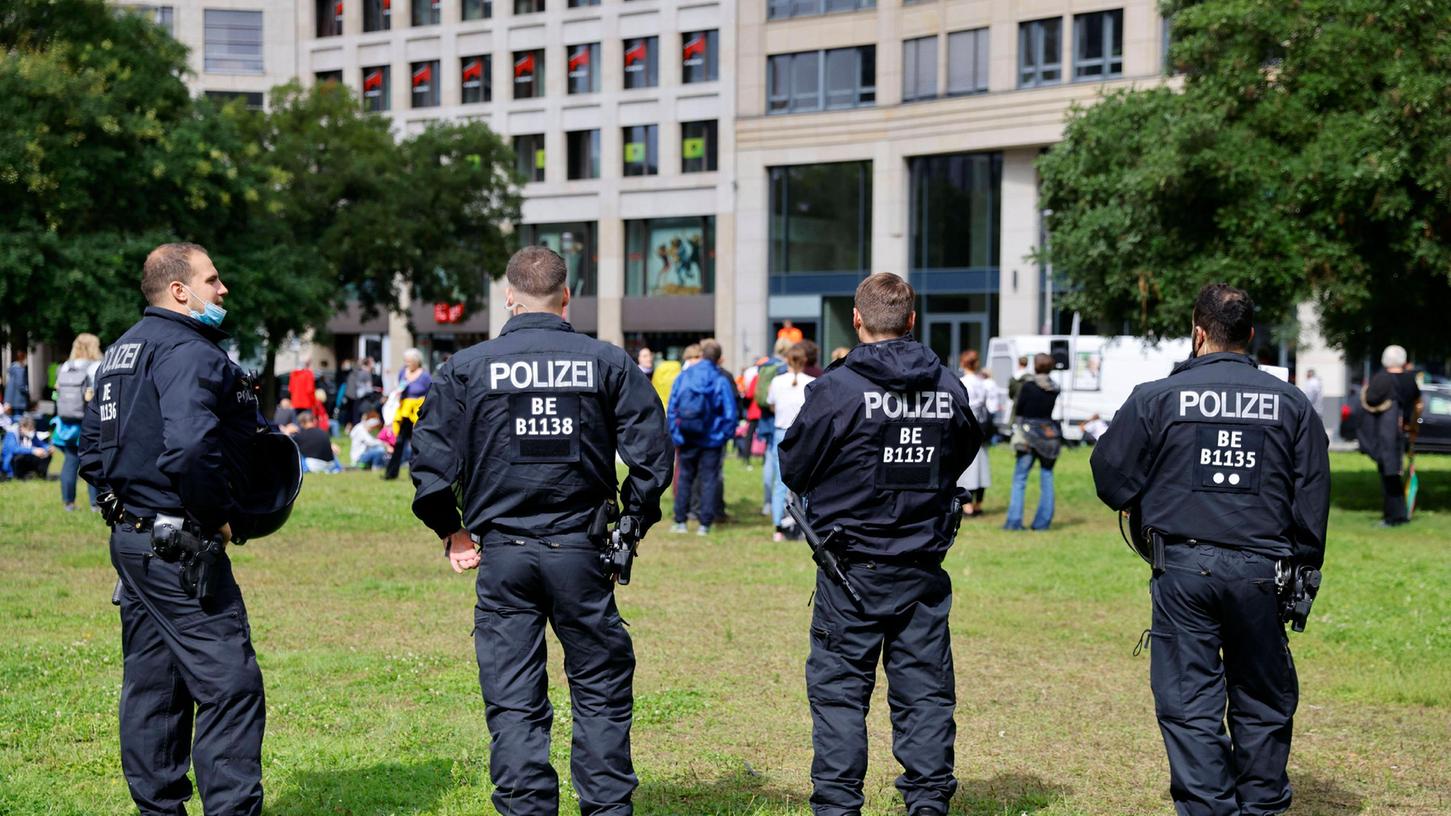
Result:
{"points": [[1306, 155]]}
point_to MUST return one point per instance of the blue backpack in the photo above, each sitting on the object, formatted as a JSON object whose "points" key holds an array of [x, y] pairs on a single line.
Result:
{"points": [[692, 409]]}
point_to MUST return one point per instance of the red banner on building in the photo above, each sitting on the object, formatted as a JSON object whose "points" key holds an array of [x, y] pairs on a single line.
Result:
{"points": [[473, 70], [637, 53], [373, 80], [524, 67], [422, 77], [448, 313], [580, 58], [695, 48]]}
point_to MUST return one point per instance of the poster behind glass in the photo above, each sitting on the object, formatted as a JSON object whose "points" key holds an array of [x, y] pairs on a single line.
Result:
{"points": [[1087, 371], [675, 258]]}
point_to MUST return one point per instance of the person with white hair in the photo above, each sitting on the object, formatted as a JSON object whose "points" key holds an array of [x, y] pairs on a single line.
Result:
{"points": [[1390, 404], [413, 384]]}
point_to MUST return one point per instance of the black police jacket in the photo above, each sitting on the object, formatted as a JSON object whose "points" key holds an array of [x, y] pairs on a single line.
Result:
{"points": [[170, 425], [878, 447], [521, 431], [1224, 453]]}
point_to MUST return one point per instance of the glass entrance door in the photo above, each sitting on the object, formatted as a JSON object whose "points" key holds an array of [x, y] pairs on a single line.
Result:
{"points": [[951, 334]]}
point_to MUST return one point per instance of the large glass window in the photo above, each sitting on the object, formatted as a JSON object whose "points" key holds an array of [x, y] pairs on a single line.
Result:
{"points": [[584, 68], [477, 79], [821, 219], [576, 243], [1098, 45], [425, 84], [529, 156], [528, 6], [967, 63], [919, 68], [252, 100], [1040, 53], [583, 147], [955, 211], [426, 13], [377, 15], [781, 9], [375, 89], [583, 3], [232, 41], [698, 58], [642, 63], [329, 17], [324, 77], [814, 80], [698, 147], [642, 150], [528, 74], [670, 256], [163, 16], [477, 9]]}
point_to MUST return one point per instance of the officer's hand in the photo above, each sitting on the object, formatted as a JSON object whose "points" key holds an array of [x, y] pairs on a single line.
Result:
{"points": [[226, 533], [461, 552]]}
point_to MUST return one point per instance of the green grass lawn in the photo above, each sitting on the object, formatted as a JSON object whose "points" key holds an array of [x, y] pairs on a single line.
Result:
{"points": [[363, 634]]}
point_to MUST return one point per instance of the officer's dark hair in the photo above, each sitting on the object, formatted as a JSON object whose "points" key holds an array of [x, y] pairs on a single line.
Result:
{"points": [[885, 303], [710, 349], [165, 264], [1226, 314], [537, 271]]}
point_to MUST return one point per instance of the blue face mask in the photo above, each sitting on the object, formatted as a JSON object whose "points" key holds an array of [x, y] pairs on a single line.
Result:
{"points": [[212, 315]]}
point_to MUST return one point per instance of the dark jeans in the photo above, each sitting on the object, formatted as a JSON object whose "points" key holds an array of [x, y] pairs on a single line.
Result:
{"points": [[400, 447], [188, 664], [702, 464], [70, 470], [522, 585], [903, 625], [1393, 505], [1219, 645], [28, 466]]}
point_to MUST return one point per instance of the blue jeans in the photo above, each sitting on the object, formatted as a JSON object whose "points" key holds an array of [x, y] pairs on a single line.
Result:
{"points": [[766, 429], [778, 488], [1044, 516], [374, 457], [703, 464], [70, 470]]}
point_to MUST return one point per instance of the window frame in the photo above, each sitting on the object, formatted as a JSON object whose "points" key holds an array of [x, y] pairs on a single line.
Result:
{"points": [[710, 133], [593, 69], [912, 68], [790, 9], [385, 92], [808, 78], [650, 70], [1032, 35], [711, 59], [639, 253], [383, 15], [981, 61], [486, 80], [650, 163], [572, 148], [433, 92], [531, 167], [424, 13], [1107, 64], [485, 10], [536, 81], [230, 63]]}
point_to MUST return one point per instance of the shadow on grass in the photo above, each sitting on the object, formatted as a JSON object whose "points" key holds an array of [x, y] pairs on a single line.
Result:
{"points": [[1322, 796], [1360, 490], [1010, 794], [738, 793], [389, 787]]}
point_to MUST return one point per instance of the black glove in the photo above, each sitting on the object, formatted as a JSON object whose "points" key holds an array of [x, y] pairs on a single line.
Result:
{"points": [[111, 510]]}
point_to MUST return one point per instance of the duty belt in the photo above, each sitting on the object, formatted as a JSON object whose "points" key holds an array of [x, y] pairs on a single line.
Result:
{"points": [[143, 524]]}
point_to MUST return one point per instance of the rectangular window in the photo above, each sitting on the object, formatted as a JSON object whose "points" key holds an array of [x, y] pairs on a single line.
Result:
{"points": [[821, 219], [584, 68], [426, 12], [528, 6], [642, 66], [1040, 53], [1098, 45], [375, 89], [576, 244], [967, 64], [782, 9], [425, 84], [377, 15], [919, 68], [329, 18], [698, 59], [233, 41], [584, 154], [161, 15], [583, 3], [816, 80], [478, 79], [642, 157], [670, 256], [477, 9], [698, 147], [324, 77], [529, 156], [955, 206], [252, 100], [528, 74]]}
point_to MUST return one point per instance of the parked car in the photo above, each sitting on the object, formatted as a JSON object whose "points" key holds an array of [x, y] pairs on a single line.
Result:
{"points": [[1435, 431]]}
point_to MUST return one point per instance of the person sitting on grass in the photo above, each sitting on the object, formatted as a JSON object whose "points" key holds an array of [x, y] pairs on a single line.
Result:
{"points": [[368, 450], [319, 454], [25, 453]]}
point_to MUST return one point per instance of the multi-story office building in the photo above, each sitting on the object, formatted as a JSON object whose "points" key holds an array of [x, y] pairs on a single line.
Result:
{"points": [[902, 137]]}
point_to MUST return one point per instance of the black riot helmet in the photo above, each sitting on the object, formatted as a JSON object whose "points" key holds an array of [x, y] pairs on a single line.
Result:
{"points": [[269, 486]]}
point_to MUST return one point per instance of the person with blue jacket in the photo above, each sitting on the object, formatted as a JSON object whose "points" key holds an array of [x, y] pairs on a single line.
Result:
{"points": [[702, 418], [25, 453]]}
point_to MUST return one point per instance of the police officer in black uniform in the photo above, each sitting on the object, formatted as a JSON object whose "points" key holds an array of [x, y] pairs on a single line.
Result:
{"points": [[520, 433], [876, 451], [1226, 469], [169, 434]]}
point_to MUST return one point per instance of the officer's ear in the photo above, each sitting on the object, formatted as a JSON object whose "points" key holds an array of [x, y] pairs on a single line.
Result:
{"points": [[856, 320], [911, 321], [564, 301]]}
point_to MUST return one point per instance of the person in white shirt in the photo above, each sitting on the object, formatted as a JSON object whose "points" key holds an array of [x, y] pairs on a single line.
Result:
{"points": [[367, 449], [978, 476], [787, 395], [1313, 388]]}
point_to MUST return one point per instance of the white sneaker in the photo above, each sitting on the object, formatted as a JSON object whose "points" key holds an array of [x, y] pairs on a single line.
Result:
{"points": [[677, 527], [703, 531]]}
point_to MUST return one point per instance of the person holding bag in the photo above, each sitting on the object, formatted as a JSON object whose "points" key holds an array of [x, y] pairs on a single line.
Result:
{"points": [[75, 384], [1036, 436]]}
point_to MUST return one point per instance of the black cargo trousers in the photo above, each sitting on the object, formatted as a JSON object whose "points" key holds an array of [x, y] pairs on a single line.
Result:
{"points": [[187, 664], [1219, 647], [522, 584], [902, 623]]}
